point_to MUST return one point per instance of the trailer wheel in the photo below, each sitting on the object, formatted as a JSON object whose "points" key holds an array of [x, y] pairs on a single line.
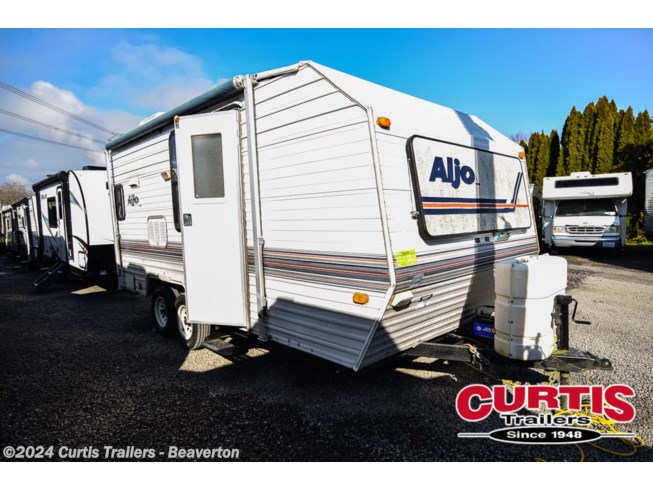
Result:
{"points": [[192, 335], [163, 310]]}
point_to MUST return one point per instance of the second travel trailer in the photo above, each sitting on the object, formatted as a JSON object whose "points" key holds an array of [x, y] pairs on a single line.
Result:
{"points": [[76, 232], [27, 234], [8, 217], [318, 210], [585, 210]]}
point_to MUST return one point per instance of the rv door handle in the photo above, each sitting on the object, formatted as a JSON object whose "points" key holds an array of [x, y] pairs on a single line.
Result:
{"points": [[188, 219]]}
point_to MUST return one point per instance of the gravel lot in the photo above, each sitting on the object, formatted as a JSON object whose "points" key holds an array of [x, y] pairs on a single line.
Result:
{"points": [[88, 371]]}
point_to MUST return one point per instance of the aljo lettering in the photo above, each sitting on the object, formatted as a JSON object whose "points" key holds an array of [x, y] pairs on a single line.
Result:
{"points": [[476, 402], [453, 173]]}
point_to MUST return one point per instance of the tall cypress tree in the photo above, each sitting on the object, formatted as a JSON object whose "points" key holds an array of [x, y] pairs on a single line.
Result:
{"points": [[643, 128], [554, 153], [625, 136], [573, 138], [588, 124], [602, 141], [538, 157]]}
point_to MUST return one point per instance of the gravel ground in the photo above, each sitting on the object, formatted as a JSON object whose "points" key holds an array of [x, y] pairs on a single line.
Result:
{"points": [[79, 372]]}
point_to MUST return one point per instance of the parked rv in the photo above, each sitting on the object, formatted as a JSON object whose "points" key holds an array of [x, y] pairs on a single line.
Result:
{"points": [[318, 210], [585, 210], [8, 216], [648, 204], [74, 216], [26, 234]]}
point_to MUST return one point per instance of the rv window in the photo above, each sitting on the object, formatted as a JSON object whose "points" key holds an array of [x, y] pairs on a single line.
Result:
{"points": [[207, 165], [464, 190], [119, 197], [598, 182], [52, 212], [174, 183], [586, 207]]}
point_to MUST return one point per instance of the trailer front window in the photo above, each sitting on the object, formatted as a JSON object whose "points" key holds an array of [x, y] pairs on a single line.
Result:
{"points": [[586, 207]]}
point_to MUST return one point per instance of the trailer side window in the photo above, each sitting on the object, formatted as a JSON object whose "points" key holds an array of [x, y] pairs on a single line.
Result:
{"points": [[466, 190], [208, 173], [174, 183], [52, 212], [119, 197]]}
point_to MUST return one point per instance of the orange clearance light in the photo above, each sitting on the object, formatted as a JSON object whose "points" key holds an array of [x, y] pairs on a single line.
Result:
{"points": [[383, 122], [521, 154], [361, 298]]}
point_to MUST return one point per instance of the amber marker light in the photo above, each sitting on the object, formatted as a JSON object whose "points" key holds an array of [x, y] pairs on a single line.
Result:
{"points": [[361, 298], [383, 122], [522, 155]]}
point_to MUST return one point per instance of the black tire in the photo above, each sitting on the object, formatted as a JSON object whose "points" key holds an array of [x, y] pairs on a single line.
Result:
{"points": [[192, 335], [163, 310]]}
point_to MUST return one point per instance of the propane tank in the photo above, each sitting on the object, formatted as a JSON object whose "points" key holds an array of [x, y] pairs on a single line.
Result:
{"points": [[525, 289]]}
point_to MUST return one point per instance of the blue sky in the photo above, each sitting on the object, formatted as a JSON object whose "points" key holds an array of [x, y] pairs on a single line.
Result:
{"points": [[516, 80]]}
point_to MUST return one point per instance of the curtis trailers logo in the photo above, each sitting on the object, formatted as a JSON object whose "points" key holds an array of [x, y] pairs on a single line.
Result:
{"points": [[476, 402]]}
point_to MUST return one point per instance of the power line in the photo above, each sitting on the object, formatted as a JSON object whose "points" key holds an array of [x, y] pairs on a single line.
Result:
{"points": [[22, 135], [53, 107], [34, 121]]}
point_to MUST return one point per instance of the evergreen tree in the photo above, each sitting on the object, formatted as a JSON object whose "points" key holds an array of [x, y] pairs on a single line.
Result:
{"points": [[602, 140], [625, 136], [643, 128], [573, 138], [588, 123], [538, 157], [554, 153]]}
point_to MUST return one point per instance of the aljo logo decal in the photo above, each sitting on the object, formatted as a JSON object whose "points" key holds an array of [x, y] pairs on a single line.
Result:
{"points": [[477, 402], [453, 174]]}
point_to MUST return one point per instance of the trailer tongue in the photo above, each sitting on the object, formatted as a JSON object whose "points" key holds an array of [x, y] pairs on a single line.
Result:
{"points": [[529, 327]]}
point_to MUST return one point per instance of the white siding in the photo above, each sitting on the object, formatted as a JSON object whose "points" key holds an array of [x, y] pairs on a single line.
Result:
{"points": [[140, 165], [320, 214]]}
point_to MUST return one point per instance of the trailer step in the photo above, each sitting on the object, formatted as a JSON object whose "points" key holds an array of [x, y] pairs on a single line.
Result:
{"points": [[220, 347], [45, 279]]}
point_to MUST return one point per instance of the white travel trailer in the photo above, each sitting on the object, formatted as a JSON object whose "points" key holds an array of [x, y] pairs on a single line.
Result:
{"points": [[26, 235], [7, 215], [75, 221], [318, 210], [585, 210], [648, 204]]}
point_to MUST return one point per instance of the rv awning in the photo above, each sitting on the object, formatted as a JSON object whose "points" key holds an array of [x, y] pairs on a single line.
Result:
{"points": [[217, 94]]}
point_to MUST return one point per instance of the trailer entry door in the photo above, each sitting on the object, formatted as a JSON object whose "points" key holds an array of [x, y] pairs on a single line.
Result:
{"points": [[208, 164]]}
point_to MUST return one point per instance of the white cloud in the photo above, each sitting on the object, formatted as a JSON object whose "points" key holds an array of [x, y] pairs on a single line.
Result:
{"points": [[33, 159], [146, 78], [18, 179], [31, 164], [154, 78]]}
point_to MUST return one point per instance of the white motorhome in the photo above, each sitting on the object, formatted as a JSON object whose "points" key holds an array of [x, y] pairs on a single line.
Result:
{"points": [[318, 210], [27, 236], [75, 221], [585, 210], [648, 204]]}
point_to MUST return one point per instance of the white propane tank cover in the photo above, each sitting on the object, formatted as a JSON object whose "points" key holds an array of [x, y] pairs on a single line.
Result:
{"points": [[525, 289]]}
